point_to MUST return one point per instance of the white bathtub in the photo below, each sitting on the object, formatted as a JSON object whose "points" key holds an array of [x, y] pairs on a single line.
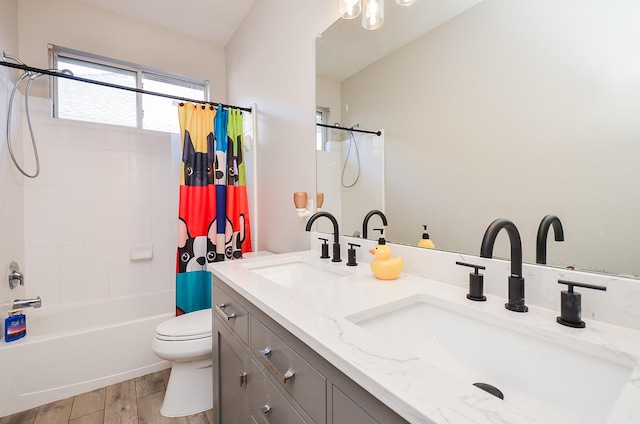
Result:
{"points": [[74, 349]]}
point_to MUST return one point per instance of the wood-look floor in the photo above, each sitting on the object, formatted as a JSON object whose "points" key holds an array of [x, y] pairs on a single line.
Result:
{"points": [[136, 401]]}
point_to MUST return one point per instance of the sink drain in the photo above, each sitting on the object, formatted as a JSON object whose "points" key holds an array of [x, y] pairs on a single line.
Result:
{"points": [[490, 389]]}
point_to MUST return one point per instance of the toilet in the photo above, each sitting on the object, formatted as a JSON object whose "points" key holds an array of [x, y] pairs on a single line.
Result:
{"points": [[186, 341]]}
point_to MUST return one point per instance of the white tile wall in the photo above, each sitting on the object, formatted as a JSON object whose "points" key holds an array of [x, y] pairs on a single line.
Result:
{"points": [[102, 190], [12, 237], [350, 205]]}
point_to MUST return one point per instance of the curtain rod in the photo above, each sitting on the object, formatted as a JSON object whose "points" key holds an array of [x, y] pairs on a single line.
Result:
{"points": [[59, 74], [335, 127]]}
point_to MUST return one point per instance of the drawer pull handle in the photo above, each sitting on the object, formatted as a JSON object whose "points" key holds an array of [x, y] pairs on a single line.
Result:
{"points": [[265, 357], [243, 378], [266, 409], [221, 307]]}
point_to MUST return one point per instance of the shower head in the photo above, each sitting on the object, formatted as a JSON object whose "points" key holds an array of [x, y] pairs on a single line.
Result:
{"points": [[12, 58]]}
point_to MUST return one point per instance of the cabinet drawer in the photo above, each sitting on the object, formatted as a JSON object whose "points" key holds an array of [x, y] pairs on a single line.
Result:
{"points": [[306, 385], [267, 404], [346, 411], [232, 313]]}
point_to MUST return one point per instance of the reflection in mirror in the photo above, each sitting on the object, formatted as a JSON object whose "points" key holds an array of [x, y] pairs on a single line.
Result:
{"points": [[350, 173], [502, 109]]}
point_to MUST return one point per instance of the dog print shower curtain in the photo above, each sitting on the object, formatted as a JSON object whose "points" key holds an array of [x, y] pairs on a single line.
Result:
{"points": [[213, 212]]}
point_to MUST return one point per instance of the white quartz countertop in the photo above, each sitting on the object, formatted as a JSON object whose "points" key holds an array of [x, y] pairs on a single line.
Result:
{"points": [[407, 382]]}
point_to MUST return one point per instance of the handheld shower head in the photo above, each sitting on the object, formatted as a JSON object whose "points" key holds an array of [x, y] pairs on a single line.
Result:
{"points": [[35, 76], [12, 58]]}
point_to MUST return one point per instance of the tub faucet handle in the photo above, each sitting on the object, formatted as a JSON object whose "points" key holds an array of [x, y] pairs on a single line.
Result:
{"points": [[15, 276]]}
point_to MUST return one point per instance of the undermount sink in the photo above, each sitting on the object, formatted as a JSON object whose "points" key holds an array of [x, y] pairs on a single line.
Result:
{"points": [[296, 271], [542, 374]]}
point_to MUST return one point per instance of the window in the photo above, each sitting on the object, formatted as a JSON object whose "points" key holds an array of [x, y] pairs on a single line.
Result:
{"points": [[322, 133], [107, 105]]}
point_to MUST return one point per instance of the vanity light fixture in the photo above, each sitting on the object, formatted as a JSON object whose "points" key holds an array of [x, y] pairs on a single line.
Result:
{"points": [[372, 14], [350, 9], [372, 11]]}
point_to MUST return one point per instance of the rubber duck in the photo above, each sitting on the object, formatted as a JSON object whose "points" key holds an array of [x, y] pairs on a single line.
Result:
{"points": [[384, 267]]}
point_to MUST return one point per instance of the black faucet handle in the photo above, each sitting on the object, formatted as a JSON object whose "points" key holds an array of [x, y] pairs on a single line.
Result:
{"points": [[571, 304], [476, 282], [351, 254], [325, 248]]}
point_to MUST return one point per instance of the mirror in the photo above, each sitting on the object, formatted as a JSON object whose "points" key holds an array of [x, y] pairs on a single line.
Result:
{"points": [[500, 109]]}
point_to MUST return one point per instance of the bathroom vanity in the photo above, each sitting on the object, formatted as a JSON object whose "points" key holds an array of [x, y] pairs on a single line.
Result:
{"points": [[266, 373], [297, 339]]}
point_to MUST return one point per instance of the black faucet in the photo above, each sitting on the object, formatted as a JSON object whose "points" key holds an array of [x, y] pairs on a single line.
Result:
{"points": [[336, 233], [368, 216], [516, 282], [571, 305], [543, 230]]}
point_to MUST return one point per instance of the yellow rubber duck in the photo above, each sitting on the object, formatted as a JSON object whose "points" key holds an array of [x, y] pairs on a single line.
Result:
{"points": [[384, 266]]}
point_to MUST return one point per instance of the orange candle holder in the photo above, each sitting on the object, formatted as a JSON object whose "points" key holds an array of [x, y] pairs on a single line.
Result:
{"points": [[319, 199], [300, 200]]}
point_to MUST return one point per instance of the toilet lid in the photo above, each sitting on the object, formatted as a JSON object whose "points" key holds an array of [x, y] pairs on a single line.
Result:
{"points": [[194, 325]]}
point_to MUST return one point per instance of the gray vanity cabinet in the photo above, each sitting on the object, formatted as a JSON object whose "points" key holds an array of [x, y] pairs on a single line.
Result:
{"points": [[264, 374], [346, 411], [231, 387]]}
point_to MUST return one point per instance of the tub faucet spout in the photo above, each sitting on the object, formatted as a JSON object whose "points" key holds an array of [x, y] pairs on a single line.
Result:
{"points": [[516, 282], [26, 303]]}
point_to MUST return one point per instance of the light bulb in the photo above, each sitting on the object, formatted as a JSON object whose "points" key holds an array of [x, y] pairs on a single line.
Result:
{"points": [[406, 2], [350, 9], [373, 14]]}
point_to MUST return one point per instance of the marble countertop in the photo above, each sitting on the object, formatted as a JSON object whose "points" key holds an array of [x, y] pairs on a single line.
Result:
{"points": [[408, 383]]}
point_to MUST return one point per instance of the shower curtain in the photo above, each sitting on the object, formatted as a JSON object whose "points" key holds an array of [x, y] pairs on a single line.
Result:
{"points": [[213, 212]]}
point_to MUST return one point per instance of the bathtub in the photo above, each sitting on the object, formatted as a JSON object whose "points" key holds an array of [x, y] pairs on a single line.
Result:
{"points": [[74, 349]]}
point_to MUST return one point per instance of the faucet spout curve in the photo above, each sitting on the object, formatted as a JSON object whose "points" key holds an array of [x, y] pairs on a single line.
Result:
{"points": [[336, 232], [543, 231], [368, 216], [489, 239], [516, 282]]}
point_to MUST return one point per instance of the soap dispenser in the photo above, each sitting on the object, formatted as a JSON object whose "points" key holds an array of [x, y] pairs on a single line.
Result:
{"points": [[425, 241], [384, 267]]}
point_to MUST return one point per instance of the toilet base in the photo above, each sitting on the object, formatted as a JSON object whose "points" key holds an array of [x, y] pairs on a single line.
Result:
{"points": [[190, 389]]}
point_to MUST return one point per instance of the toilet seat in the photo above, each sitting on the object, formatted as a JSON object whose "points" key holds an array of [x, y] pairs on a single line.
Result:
{"points": [[191, 326]]}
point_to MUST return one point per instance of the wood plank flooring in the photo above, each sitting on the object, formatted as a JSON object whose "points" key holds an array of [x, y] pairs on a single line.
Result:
{"points": [[136, 401]]}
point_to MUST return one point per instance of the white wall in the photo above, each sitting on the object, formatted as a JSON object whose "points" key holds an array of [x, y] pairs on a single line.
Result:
{"points": [[11, 194], [74, 25], [271, 61], [328, 95]]}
